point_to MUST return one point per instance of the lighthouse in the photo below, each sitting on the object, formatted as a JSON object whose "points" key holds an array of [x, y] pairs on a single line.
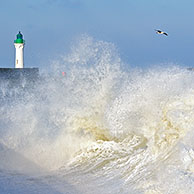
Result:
{"points": [[19, 55], [19, 77]]}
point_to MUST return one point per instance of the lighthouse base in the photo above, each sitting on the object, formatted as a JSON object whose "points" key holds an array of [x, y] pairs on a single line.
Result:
{"points": [[19, 77], [16, 82]]}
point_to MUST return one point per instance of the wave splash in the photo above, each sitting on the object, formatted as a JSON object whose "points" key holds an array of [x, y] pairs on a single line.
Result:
{"points": [[130, 131]]}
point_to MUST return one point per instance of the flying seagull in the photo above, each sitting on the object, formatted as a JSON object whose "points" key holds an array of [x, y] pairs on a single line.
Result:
{"points": [[161, 32]]}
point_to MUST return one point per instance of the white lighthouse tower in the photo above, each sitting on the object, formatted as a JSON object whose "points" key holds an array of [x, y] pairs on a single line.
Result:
{"points": [[19, 55]]}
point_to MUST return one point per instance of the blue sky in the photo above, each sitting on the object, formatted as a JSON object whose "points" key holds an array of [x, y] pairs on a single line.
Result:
{"points": [[50, 26]]}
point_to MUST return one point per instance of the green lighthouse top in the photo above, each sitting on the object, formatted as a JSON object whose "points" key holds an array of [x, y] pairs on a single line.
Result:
{"points": [[19, 38]]}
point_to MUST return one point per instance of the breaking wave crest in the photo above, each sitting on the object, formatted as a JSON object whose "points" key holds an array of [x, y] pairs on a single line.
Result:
{"points": [[126, 130]]}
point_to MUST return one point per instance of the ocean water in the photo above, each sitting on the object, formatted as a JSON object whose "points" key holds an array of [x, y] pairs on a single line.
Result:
{"points": [[99, 128]]}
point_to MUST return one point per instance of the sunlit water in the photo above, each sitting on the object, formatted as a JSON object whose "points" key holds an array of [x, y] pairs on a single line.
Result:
{"points": [[99, 128]]}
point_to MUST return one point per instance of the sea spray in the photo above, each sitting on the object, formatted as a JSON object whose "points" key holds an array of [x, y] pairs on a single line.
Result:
{"points": [[123, 132], [50, 123]]}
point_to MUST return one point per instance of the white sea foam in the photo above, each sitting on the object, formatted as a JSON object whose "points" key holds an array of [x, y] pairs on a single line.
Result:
{"points": [[123, 132]]}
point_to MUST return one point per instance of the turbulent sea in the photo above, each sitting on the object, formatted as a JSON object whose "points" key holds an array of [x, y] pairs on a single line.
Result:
{"points": [[99, 128]]}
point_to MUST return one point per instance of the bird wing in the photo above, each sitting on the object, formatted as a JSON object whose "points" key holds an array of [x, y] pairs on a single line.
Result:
{"points": [[165, 33]]}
